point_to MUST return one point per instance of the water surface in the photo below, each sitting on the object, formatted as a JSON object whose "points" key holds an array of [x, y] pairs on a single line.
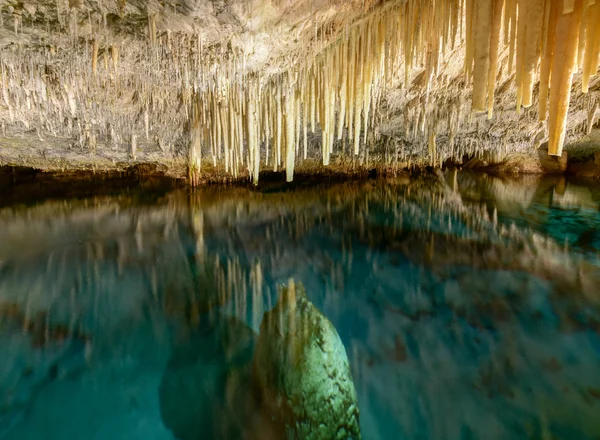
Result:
{"points": [[469, 306]]}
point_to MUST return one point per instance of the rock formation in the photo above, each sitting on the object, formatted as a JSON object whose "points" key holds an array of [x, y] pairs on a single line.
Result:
{"points": [[205, 391], [247, 85], [302, 372]]}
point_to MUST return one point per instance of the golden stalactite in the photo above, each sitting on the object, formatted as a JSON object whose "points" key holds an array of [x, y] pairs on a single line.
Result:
{"points": [[547, 55], [95, 46], [534, 15], [252, 121], [549, 40], [152, 28], [497, 11], [561, 77], [591, 58], [481, 52]]}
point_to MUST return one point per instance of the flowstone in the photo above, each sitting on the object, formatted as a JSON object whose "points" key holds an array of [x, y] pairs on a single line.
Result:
{"points": [[302, 371]]}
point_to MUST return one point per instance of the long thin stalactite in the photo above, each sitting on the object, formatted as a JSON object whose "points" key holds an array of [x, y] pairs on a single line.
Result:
{"points": [[335, 94]]}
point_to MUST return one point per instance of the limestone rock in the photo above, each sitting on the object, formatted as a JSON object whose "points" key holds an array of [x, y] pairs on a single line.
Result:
{"points": [[552, 164], [302, 371], [586, 170], [475, 163], [531, 162]]}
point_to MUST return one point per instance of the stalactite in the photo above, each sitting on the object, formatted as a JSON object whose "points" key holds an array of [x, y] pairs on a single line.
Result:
{"points": [[114, 54], [469, 38], [591, 117], [152, 28], [494, 43], [248, 120], [289, 134], [195, 149], [147, 122], [432, 146], [534, 16], [563, 65], [591, 58], [253, 142], [279, 128], [95, 56], [547, 59], [133, 146], [16, 19]]}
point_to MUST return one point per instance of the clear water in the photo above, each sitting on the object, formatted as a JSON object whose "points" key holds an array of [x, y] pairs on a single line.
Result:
{"points": [[469, 308]]}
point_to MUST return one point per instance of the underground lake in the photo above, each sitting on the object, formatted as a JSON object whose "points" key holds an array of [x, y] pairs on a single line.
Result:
{"points": [[446, 305]]}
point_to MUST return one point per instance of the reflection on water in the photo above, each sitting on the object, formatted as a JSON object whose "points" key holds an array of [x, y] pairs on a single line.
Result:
{"points": [[468, 307]]}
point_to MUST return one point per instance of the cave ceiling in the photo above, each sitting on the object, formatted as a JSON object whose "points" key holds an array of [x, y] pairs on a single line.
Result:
{"points": [[270, 83]]}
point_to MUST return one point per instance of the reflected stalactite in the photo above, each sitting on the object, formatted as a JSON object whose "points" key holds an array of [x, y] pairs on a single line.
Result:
{"points": [[451, 269]]}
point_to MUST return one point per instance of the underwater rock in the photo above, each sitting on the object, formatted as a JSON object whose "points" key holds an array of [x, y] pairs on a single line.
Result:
{"points": [[302, 371], [205, 391], [27, 371]]}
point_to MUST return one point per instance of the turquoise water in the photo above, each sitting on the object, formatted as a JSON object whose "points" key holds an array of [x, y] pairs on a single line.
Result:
{"points": [[469, 307]]}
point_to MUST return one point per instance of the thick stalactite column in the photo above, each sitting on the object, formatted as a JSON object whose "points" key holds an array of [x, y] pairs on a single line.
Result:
{"points": [[591, 58], [481, 53], [563, 66]]}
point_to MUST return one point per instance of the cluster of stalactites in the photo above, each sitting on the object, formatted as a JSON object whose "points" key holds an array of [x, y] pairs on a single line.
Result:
{"points": [[336, 93], [548, 40]]}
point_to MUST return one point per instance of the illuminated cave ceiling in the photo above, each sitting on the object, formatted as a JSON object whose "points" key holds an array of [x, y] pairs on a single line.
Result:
{"points": [[249, 85]]}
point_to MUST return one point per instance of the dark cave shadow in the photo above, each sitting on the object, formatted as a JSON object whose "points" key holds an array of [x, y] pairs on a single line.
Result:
{"points": [[207, 391]]}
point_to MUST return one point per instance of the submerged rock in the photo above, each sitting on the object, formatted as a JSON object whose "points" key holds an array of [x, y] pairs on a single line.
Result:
{"points": [[206, 391], [302, 371]]}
